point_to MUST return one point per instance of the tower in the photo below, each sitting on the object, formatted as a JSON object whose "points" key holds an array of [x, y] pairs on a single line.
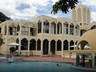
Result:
{"points": [[81, 14]]}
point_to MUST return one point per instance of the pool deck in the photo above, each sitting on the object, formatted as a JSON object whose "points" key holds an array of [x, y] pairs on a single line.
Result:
{"points": [[49, 59]]}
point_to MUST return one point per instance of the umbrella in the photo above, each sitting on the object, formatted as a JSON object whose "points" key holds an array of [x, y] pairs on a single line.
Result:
{"points": [[73, 46], [86, 46], [13, 44]]}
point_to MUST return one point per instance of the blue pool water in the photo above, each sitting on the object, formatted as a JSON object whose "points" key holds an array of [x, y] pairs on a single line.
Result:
{"points": [[38, 67]]}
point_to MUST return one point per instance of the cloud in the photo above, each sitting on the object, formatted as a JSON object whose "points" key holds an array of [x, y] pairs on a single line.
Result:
{"points": [[24, 9]]}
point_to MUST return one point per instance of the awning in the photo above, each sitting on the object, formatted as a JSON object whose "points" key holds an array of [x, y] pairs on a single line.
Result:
{"points": [[13, 44]]}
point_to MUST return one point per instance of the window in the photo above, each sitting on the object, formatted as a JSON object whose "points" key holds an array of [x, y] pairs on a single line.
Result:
{"points": [[39, 26], [25, 31], [59, 28], [32, 31], [65, 29], [12, 30], [77, 30], [53, 28], [71, 29], [46, 27]]}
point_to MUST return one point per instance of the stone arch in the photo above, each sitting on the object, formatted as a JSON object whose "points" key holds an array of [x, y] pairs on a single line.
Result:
{"points": [[83, 45]]}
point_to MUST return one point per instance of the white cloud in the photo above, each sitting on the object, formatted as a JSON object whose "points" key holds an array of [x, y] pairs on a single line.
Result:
{"points": [[89, 2], [8, 7]]}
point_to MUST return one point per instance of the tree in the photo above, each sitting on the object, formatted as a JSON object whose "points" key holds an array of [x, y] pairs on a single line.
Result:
{"points": [[3, 17], [64, 6]]}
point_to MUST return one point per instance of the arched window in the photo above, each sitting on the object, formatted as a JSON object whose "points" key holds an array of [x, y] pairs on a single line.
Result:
{"points": [[25, 30], [77, 30], [12, 30], [32, 44], [39, 44], [71, 29], [59, 28], [39, 26], [65, 28], [71, 44], [65, 45], [53, 28], [46, 27], [59, 43], [33, 31], [24, 43]]}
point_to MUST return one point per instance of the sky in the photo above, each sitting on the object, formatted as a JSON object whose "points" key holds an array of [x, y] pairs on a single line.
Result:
{"points": [[29, 9]]}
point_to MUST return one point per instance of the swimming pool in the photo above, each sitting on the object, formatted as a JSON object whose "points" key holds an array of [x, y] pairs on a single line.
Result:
{"points": [[38, 67]]}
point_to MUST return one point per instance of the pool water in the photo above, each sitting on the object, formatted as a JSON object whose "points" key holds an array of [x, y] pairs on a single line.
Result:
{"points": [[38, 67]]}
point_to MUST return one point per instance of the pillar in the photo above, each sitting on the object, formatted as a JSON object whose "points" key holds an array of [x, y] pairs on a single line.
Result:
{"points": [[36, 45], [77, 60], [28, 48], [68, 45], [41, 47], [55, 47], [93, 60], [49, 48], [83, 60], [62, 49]]}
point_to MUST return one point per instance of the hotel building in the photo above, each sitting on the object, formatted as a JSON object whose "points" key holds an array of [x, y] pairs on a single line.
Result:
{"points": [[45, 35]]}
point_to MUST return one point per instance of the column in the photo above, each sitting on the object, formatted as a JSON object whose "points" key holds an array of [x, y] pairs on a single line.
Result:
{"points": [[62, 28], [28, 48], [62, 49], [36, 45], [41, 47], [77, 60], [83, 60], [68, 45], [42, 27], [93, 60], [56, 28], [49, 48], [69, 29], [7, 29], [55, 46], [19, 46], [49, 28]]}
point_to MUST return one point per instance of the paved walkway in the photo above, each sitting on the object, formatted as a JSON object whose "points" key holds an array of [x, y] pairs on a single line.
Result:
{"points": [[49, 59]]}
